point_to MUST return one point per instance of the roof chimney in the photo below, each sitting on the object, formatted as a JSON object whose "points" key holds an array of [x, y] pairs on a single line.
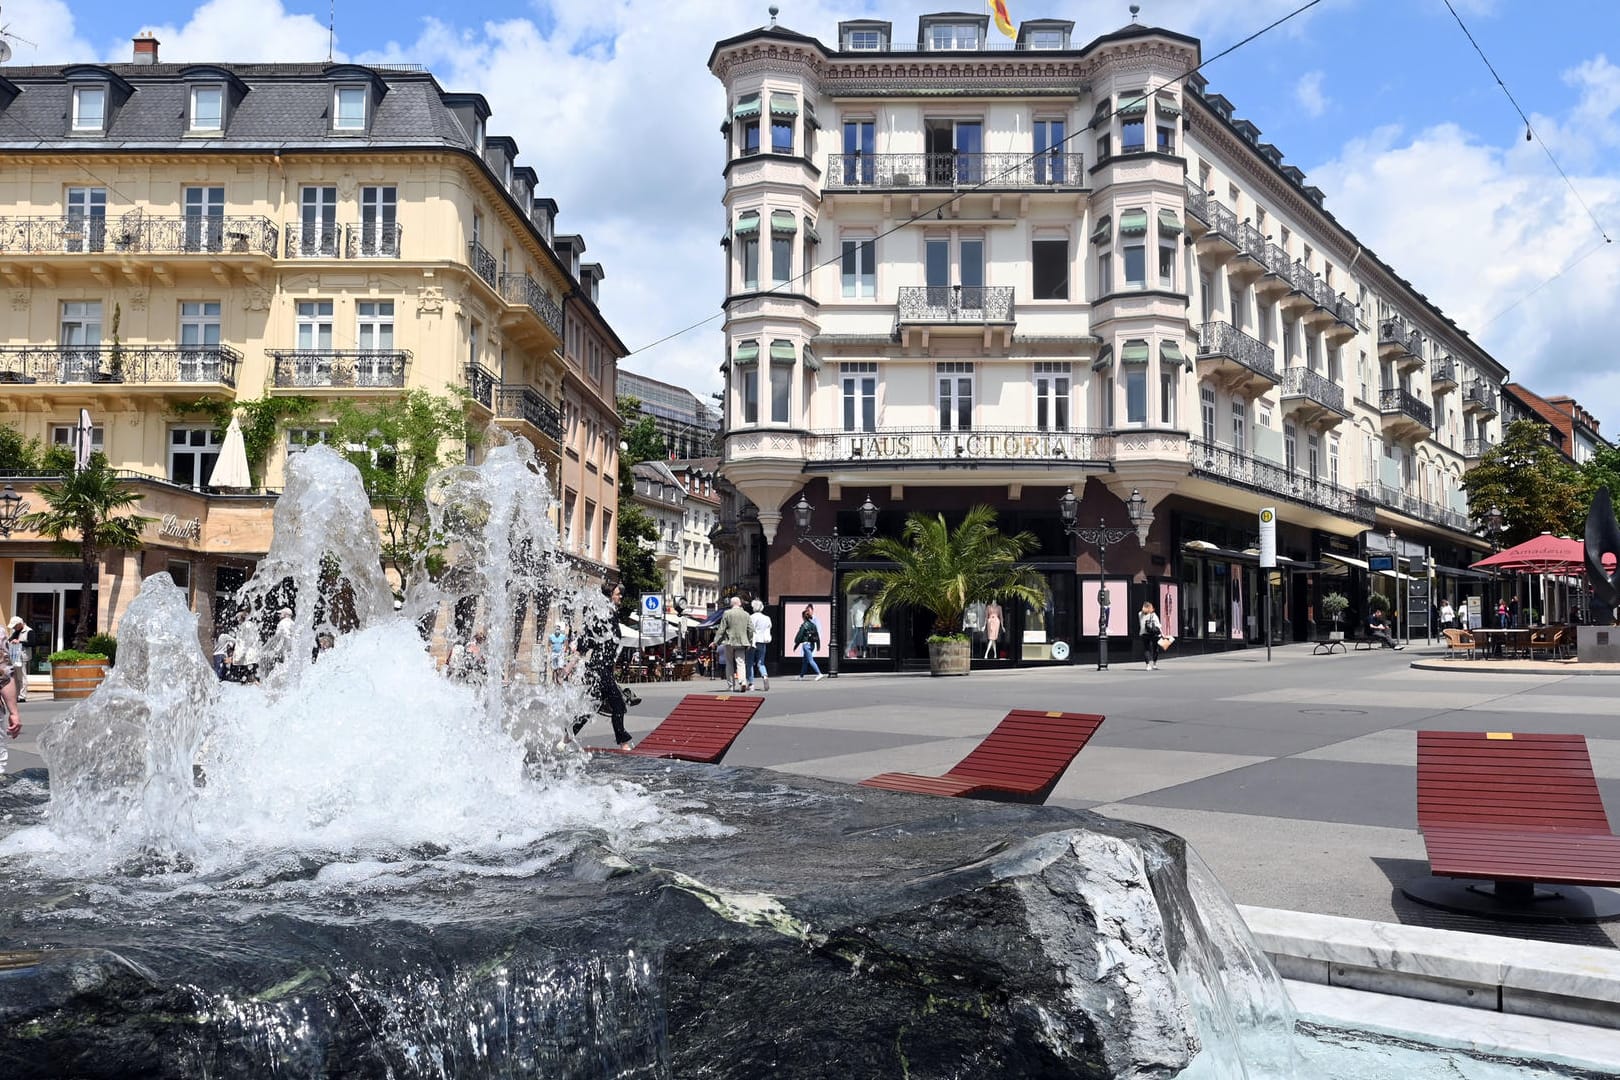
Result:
{"points": [[146, 48]]}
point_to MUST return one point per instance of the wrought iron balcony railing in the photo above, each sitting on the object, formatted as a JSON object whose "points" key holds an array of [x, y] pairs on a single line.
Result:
{"points": [[136, 232], [1223, 220], [1303, 382], [1278, 264], [481, 383], [361, 368], [1479, 396], [1413, 506], [1224, 339], [1232, 466], [1402, 402], [1443, 372], [525, 403], [370, 240], [1474, 449], [1347, 312], [1396, 332], [1252, 243], [952, 170], [955, 304], [523, 289], [135, 364], [313, 241], [1197, 202], [482, 263]]}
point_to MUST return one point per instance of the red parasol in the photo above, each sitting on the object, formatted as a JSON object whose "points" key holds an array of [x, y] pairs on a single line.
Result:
{"points": [[1546, 554]]}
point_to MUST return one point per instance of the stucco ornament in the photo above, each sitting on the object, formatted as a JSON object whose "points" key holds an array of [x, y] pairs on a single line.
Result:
{"points": [[430, 300]]}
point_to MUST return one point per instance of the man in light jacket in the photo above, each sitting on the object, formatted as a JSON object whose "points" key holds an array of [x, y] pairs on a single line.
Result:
{"points": [[737, 635]]}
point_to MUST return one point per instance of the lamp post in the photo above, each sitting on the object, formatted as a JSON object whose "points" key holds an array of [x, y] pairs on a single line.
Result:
{"points": [[1495, 526], [1102, 537], [837, 546], [12, 507]]}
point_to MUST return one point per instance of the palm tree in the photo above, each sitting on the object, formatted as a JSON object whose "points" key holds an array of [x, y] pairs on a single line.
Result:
{"points": [[84, 505], [945, 571]]}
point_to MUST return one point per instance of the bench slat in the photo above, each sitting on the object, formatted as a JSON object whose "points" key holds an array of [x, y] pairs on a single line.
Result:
{"points": [[1023, 758]]}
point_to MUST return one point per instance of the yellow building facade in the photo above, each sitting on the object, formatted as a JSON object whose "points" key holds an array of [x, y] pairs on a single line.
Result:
{"points": [[171, 232]]}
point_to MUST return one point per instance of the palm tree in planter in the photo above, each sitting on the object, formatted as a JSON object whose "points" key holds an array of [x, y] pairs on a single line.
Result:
{"points": [[84, 514], [945, 571]]}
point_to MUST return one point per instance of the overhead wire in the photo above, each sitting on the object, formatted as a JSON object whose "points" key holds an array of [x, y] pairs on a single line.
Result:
{"points": [[936, 209], [1529, 129]]}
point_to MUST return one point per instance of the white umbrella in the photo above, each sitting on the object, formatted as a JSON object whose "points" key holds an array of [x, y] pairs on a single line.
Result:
{"points": [[82, 440], [231, 467]]}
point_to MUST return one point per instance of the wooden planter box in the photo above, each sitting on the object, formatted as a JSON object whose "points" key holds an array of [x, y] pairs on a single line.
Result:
{"points": [[949, 658], [76, 679]]}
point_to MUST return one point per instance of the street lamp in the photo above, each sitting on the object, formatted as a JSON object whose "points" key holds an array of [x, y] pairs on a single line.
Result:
{"points": [[1494, 526], [1102, 537], [12, 508], [1395, 568], [838, 547]]}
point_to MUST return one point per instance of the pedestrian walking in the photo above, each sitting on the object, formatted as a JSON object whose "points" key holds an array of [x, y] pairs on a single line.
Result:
{"points": [[1447, 616], [807, 641], [737, 635], [18, 637], [8, 699], [1151, 629], [599, 644], [761, 624], [558, 642]]}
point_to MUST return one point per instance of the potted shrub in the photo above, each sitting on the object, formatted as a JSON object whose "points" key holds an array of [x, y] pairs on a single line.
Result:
{"points": [[1334, 605], [945, 571], [76, 673]]}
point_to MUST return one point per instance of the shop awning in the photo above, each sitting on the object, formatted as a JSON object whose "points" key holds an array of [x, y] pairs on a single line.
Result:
{"points": [[1133, 223], [747, 105], [1132, 103], [810, 233], [1105, 358], [1105, 105], [810, 114], [784, 105], [783, 352], [1458, 571], [1359, 564], [811, 362], [783, 221], [1134, 351], [747, 222], [1168, 222], [1167, 106], [1170, 353], [1101, 231], [747, 352]]}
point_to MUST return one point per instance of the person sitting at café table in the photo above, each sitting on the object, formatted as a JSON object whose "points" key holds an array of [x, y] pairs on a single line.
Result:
{"points": [[1378, 629]]}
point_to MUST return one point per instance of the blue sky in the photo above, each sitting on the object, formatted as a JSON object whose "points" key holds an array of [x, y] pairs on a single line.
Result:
{"points": [[1382, 102]]}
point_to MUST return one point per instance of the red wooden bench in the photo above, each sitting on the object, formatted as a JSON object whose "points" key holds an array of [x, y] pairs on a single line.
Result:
{"points": [[1020, 761], [1514, 809], [701, 728]]}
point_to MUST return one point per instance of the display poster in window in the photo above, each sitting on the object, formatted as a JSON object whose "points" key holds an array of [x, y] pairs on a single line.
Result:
{"points": [[1170, 606], [1119, 615], [1237, 624], [793, 609]]}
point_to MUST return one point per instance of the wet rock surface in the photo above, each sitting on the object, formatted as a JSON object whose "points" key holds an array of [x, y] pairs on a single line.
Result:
{"points": [[836, 931]]}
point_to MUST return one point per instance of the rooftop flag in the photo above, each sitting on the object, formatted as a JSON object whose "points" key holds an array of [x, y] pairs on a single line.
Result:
{"points": [[1003, 20]]}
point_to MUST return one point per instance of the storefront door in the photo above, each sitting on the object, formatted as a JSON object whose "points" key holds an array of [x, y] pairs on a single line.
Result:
{"points": [[46, 595]]}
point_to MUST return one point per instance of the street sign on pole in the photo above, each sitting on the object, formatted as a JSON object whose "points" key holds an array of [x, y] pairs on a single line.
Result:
{"points": [[652, 604], [1268, 561]]}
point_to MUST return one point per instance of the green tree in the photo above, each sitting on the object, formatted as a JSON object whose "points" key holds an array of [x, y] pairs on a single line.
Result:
{"points": [[1602, 471], [85, 513], [638, 534], [945, 571], [397, 443], [262, 421], [1526, 478], [19, 454]]}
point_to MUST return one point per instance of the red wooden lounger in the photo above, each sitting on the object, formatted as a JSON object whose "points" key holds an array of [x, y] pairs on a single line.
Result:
{"points": [[1020, 761], [1514, 809], [701, 728]]}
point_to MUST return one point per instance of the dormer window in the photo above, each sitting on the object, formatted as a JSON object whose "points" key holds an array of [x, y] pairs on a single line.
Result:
{"points": [[864, 41], [1047, 39], [944, 37], [207, 108], [349, 108], [89, 108]]}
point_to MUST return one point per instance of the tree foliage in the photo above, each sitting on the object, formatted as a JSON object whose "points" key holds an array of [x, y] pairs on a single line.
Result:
{"points": [[87, 514], [641, 440], [262, 421], [638, 533], [397, 443], [945, 571], [1533, 485], [1602, 471]]}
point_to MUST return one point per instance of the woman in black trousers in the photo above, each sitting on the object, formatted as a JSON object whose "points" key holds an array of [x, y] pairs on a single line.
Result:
{"points": [[600, 644]]}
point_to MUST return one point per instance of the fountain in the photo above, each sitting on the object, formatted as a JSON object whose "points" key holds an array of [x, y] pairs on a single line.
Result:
{"points": [[363, 868]]}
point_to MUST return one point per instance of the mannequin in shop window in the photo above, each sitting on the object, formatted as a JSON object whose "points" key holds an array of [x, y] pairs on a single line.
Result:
{"points": [[992, 630], [859, 613]]}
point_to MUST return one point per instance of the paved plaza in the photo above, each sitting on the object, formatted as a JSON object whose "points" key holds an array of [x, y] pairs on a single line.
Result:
{"points": [[1294, 779]]}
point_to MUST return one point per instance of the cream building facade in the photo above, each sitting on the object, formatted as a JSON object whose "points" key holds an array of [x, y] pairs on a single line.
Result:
{"points": [[959, 272], [170, 232], [700, 560]]}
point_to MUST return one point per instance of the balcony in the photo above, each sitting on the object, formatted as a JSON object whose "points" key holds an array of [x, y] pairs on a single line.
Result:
{"points": [[1479, 398], [1197, 210], [128, 366], [1300, 299], [933, 308], [903, 446], [372, 241], [524, 404], [523, 290], [482, 263], [1442, 375], [1398, 341], [1221, 241], [1475, 449], [481, 383], [1229, 466], [1346, 320], [1313, 397], [1405, 417], [1413, 507], [340, 369], [991, 172], [1278, 277], [136, 233], [1251, 260], [320, 241], [1237, 361]]}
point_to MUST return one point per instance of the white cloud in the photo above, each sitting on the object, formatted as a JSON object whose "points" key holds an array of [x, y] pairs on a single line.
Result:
{"points": [[1481, 228], [240, 31], [49, 28], [1308, 92]]}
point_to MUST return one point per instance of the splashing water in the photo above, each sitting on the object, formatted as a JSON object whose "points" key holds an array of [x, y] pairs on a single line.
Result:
{"points": [[362, 749]]}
